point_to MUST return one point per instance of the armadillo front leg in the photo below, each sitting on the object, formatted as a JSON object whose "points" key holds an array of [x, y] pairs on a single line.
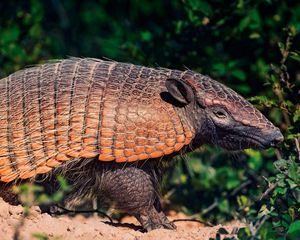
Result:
{"points": [[134, 191], [153, 218]]}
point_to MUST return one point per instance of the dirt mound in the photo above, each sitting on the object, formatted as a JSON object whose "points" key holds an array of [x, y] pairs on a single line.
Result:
{"points": [[82, 228]]}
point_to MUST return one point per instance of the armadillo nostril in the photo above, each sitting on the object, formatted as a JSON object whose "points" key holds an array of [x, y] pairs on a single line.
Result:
{"points": [[277, 140]]}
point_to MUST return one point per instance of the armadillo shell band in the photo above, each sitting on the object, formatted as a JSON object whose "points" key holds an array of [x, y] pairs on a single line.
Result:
{"points": [[85, 108], [9, 178]]}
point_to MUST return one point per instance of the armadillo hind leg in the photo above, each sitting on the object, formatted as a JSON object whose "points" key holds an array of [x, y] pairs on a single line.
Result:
{"points": [[135, 191]]}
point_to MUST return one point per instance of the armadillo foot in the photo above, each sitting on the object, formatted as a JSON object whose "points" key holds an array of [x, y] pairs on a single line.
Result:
{"points": [[166, 222], [51, 209], [151, 220]]}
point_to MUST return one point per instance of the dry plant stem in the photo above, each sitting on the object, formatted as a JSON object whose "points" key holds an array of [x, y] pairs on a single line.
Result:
{"points": [[239, 188], [254, 229], [20, 224], [280, 97], [193, 220], [233, 193], [95, 211], [297, 147], [284, 77], [278, 154], [271, 187], [95, 206], [210, 207]]}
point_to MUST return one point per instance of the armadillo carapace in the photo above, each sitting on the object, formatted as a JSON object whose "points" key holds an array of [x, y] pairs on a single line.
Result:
{"points": [[97, 122], [87, 108]]}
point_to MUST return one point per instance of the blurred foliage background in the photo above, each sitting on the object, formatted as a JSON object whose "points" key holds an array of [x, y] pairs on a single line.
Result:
{"points": [[251, 46]]}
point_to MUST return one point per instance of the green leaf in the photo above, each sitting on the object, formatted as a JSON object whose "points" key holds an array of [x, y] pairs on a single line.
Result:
{"points": [[63, 183], [293, 171], [244, 233], [220, 68], [202, 6], [296, 115], [281, 46], [239, 74], [254, 35], [295, 56], [292, 183], [294, 230], [291, 212], [280, 191], [39, 236], [224, 206], [281, 164], [43, 199], [9, 35], [232, 183], [255, 160], [146, 36], [262, 100], [263, 211], [57, 197]]}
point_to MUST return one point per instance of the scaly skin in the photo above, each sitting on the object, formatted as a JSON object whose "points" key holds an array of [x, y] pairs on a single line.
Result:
{"points": [[85, 108], [132, 187], [108, 127]]}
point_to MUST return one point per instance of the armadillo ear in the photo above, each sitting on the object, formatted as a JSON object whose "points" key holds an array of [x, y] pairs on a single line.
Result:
{"points": [[180, 90]]}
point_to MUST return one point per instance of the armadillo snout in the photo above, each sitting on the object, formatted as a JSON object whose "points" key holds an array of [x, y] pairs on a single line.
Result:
{"points": [[271, 138], [274, 138]]}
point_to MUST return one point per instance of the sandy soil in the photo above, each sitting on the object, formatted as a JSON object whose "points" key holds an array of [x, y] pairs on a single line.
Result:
{"points": [[82, 228]]}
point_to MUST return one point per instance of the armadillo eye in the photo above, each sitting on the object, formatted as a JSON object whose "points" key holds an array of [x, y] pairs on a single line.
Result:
{"points": [[220, 114]]}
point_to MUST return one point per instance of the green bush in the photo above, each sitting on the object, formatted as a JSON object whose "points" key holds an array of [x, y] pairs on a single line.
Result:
{"points": [[251, 46]]}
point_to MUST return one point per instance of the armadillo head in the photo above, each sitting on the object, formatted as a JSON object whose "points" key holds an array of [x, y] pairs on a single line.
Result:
{"points": [[221, 116]]}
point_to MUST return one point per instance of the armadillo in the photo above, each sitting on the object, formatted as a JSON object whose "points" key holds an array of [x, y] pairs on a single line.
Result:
{"points": [[108, 126]]}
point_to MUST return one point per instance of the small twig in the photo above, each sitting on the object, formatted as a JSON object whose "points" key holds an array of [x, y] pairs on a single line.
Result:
{"points": [[278, 154], [278, 92], [210, 207], [254, 230], [20, 224], [297, 147], [271, 187], [283, 76], [193, 220], [82, 211], [259, 224], [239, 188], [95, 206], [233, 193]]}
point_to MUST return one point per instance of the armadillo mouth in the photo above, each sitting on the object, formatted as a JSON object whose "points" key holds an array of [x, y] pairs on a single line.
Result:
{"points": [[243, 138], [240, 142], [268, 139], [257, 143]]}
